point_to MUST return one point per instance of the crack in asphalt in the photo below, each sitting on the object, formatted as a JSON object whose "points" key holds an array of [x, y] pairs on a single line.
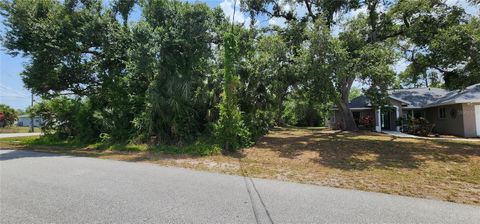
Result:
{"points": [[252, 202], [256, 213], [261, 201]]}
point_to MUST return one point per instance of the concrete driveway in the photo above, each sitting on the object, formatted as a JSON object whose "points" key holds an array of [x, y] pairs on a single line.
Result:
{"points": [[49, 188], [13, 135]]}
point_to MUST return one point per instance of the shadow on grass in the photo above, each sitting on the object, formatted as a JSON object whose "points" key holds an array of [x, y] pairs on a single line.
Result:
{"points": [[361, 151]]}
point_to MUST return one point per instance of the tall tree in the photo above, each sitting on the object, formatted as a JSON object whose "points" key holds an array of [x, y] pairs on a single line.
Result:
{"points": [[63, 43], [338, 80], [336, 62], [149, 76], [179, 37], [439, 41], [230, 128]]}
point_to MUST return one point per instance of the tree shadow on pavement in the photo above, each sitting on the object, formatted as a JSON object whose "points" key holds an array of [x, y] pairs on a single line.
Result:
{"points": [[19, 154]]}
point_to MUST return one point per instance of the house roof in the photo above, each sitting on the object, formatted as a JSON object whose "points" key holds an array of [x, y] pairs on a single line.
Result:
{"points": [[469, 95], [359, 102], [362, 102], [426, 97], [418, 97]]}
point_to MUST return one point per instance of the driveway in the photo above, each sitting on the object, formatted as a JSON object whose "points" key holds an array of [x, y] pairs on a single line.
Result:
{"points": [[405, 135], [13, 135], [50, 188]]}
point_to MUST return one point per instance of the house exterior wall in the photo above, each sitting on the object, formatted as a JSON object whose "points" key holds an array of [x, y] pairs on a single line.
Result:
{"points": [[333, 119], [26, 122], [367, 113], [457, 119], [417, 112], [469, 120], [336, 118], [451, 124], [362, 114]]}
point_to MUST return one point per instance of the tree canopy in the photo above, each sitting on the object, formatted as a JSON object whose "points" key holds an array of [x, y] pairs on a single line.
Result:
{"points": [[182, 71]]}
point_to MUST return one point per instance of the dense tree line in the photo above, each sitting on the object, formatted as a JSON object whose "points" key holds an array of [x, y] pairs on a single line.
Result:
{"points": [[182, 71]]}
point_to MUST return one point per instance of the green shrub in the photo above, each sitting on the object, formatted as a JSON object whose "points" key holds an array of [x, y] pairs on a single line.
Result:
{"points": [[299, 112], [58, 115], [105, 137], [67, 118], [420, 126], [259, 123], [86, 124], [8, 115], [230, 130], [202, 149]]}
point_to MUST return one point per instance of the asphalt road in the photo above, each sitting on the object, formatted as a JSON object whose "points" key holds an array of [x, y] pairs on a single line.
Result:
{"points": [[49, 188], [12, 135]]}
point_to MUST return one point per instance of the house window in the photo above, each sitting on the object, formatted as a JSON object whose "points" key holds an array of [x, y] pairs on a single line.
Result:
{"points": [[442, 113]]}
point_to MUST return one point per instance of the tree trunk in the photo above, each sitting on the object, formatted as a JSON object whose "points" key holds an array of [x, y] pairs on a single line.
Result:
{"points": [[342, 104], [347, 116], [279, 120]]}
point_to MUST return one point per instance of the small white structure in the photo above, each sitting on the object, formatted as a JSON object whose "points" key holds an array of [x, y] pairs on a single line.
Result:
{"points": [[25, 121]]}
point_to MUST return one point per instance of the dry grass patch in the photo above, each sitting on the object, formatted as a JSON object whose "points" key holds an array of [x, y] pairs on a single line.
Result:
{"points": [[17, 129], [445, 170], [373, 162]]}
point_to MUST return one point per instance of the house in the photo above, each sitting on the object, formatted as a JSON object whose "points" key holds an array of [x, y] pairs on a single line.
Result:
{"points": [[451, 112], [25, 121]]}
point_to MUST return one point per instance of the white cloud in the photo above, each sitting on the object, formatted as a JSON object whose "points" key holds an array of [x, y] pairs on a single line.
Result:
{"points": [[228, 8]]}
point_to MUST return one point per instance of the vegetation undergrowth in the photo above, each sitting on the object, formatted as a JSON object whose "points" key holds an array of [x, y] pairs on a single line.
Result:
{"points": [[201, 147]]}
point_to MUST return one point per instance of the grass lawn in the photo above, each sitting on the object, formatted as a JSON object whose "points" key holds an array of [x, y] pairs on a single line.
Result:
{"points": [[436, 169], [17, 129]]}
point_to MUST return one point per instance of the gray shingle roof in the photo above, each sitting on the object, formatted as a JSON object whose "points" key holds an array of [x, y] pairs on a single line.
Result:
{"points": [[419, 97], [359, 102], [426, 97], [470, 95]]}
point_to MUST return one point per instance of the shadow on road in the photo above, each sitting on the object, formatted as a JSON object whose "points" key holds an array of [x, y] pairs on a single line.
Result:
{"points": [[18, 154]]}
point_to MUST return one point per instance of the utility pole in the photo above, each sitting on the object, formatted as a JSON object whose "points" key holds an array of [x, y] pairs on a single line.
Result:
{"points": [[31, 116]]}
